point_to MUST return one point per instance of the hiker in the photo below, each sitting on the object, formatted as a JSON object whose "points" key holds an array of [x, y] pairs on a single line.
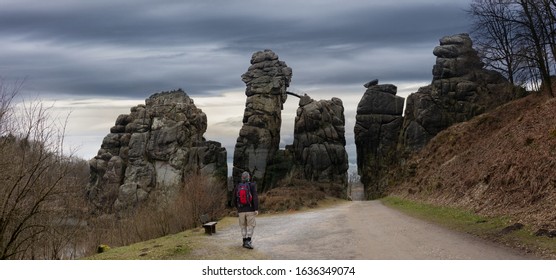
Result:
{"points": [[247, 203]]}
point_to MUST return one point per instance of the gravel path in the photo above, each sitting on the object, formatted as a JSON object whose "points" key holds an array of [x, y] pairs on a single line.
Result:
{"points": [[361, 230]]}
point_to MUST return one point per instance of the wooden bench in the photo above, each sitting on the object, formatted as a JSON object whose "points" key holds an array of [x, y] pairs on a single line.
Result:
{"points": [[210, 227]]}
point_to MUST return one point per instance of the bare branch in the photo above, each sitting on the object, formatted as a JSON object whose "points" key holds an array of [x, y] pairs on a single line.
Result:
{"points": [[517, 38]]}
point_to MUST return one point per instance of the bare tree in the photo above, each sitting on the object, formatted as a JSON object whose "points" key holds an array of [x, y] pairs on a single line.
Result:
{"points": [[549, 16], [517, 38], [535, 39], [8, 91], [34, 177], [496, 32]]}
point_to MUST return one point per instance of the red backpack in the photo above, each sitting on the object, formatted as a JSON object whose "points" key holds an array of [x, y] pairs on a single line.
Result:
{"points": [[243, 195]]}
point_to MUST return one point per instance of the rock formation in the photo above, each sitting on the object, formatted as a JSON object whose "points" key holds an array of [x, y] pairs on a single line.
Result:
{"points": [[461, 89], [266, 82], [378, 125], [319, 143], [154, 147]]}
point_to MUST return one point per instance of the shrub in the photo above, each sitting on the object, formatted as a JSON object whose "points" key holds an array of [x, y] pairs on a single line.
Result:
{"points": [[40, 206], [163, 213]]}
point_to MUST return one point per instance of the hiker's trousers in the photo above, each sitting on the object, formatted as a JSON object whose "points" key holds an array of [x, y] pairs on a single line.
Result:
{"points": [[247, 223]]}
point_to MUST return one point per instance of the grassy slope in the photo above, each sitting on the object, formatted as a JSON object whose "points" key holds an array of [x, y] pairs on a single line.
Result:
{"points": [[192, 244], [498, 168], [501, 163]]}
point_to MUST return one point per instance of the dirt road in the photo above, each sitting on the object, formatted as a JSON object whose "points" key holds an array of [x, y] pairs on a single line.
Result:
{"points": [[361, 230]]}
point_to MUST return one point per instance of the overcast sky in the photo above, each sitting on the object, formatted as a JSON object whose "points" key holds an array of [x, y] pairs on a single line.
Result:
{"points": [[99, 58]]}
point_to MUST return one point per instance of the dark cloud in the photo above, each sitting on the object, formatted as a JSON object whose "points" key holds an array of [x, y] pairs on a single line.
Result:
{"points": [[133, 48]]}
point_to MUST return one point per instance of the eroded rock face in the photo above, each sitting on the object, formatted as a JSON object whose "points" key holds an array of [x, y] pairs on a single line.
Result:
{"points": [[378, 125], [319, 143], [266, 82], [461, 89], [156, 146]]}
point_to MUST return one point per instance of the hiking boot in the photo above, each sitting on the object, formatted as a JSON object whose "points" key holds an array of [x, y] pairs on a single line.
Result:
{"points": [[244, 242], [248, 244]]}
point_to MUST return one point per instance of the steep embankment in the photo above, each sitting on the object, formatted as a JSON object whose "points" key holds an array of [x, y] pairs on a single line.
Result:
{"points": [[499, 163]]}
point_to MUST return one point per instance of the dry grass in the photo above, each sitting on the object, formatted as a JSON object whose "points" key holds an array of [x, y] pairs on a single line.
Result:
{"points": [[163, 214], [498, 164], [296, 195], [193, 244]]}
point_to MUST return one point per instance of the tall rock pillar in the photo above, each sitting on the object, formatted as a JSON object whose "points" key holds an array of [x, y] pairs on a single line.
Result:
{"points": [[319, 144], [378, 124], [266, 82]]}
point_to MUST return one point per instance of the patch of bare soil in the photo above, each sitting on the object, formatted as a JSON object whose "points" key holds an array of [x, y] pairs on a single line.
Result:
{"points": [[499, 163]]}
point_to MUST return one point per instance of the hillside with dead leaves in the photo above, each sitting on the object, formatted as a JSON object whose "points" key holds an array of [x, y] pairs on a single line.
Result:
{"points": [[499, 163]]}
